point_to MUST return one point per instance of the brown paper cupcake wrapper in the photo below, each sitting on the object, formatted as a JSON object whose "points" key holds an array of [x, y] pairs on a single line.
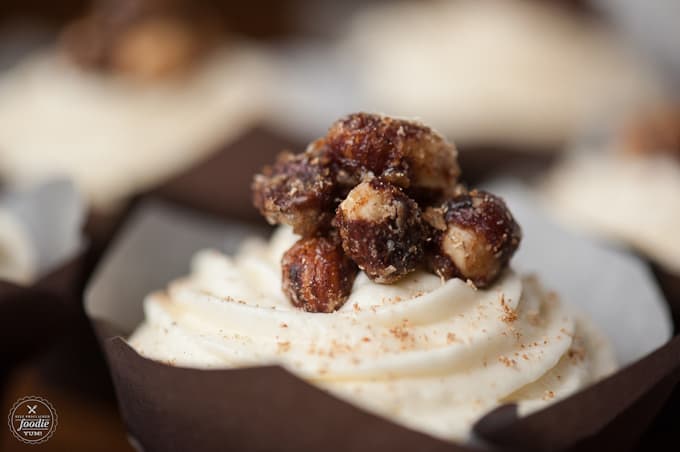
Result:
{"points": [[32, 317], [267, 408]]}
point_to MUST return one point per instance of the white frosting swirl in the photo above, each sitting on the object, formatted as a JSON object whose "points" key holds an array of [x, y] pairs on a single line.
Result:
{"points": [[431, 355]]}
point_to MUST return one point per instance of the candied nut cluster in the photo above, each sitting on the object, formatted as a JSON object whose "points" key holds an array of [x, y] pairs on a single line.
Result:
{"points": [[381, 195]]}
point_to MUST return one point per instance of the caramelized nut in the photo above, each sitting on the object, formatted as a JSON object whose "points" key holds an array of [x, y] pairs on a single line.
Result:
{"points": [[381, 230], [475, 236], [317, 276], [298, 190], [404, 153]]}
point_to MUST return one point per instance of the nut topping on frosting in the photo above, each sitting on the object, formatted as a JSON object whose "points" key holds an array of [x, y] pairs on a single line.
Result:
{"points": [[381, 230], [474, 237], [404, 153], [356, 196], [317, 276], [298, 190]]}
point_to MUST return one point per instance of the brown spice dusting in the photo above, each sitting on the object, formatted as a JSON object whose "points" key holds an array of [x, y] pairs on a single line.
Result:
{"points": [[508, 362], [400, 333], [577, 353], [450, 338], [284, 325], [548, 395], [509, 314], [283, 347]]}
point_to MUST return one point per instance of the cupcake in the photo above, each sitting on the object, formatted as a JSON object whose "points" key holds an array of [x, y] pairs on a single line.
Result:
{"points": [[107, 94], [636, 163], [519, 75], [387, 285]]}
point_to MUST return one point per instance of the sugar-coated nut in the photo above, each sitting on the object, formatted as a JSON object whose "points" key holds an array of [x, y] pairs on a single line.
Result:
{"points": [[381, 230], [475, 235], [404, 153], [298, 190], [317, 275]]}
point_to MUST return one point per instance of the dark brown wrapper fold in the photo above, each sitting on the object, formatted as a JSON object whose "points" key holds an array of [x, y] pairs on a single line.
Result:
{"points": [[267, 408], [609, 415], [482, 162], [220, 185], [254, 409], [32, 317], [670, 285]]}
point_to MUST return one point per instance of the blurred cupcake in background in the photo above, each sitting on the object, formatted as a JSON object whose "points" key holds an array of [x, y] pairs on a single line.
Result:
{"points": [[513, 74], [133, 92], [142, 38], [625, 184]]}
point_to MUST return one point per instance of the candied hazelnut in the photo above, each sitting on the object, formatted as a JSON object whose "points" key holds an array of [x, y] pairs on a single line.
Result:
{"points": [[475, 236], [298, 190], [404, 153], [317, 275], [381, 230]]}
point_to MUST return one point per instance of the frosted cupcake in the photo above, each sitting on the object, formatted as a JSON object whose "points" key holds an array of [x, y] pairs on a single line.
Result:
{"points": [[386, 285], [525, 75], [135, 92], [598, 185]]}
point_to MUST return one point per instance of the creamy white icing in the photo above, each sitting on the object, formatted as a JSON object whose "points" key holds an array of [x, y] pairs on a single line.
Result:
{"points": [[524, 73], [428, 354], [111, 136], [626, 197]]}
